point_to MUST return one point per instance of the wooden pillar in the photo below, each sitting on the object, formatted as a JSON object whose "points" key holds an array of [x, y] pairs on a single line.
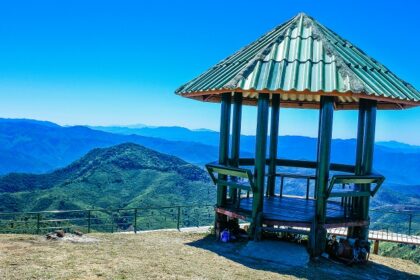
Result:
{"points": [[274, 136], [364, 162], [355, 203], [318, 231], [376, 247], [236, 136], [221, 220], [367, 161], [224, 142], [260, 158]]}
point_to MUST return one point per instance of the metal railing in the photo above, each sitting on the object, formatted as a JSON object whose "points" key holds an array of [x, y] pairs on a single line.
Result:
{"points": [[404, 222], [141, 219], [107, 220]]}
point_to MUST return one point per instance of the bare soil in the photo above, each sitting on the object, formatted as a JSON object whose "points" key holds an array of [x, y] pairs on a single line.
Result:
{"points": [[169, 255]]}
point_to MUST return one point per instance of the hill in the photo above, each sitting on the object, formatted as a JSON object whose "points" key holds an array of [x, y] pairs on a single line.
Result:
{"points": [[38, 147], [127, 175]]}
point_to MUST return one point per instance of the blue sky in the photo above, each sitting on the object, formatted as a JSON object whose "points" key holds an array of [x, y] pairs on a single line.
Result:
{"points": [[119, 62]]}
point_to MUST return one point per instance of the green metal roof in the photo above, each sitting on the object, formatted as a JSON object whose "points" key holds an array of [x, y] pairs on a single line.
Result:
{"points": [[302, 60]]}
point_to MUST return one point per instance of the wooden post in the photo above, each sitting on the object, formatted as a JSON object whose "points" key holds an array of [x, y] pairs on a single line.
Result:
{"points": [[260, 159], [364, 162], [367, 161], [220, 220], [355, 204], [135, 220], [224, 143], [236, 137], [38, 224], [274, 135], [308, 182], [318, 232], [376, 247], [178, 217], [89, 220]]}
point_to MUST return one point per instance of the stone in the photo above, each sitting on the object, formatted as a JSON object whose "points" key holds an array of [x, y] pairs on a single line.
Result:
{"points": [[60, 233]]}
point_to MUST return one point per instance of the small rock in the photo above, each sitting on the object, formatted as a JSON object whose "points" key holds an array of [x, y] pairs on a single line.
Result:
{"points": [[78, 233], [60, 233], [51, 236]]}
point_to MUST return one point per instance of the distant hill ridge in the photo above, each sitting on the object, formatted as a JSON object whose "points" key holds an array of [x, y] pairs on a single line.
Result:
{"points": [[37, 147], [398, 161], [119, 176]]}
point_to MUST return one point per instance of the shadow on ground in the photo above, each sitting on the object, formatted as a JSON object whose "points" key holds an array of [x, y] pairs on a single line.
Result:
{"points": [[321, 269]]}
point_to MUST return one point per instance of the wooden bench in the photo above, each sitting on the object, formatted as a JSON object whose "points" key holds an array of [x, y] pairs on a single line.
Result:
{"points": [[232, 177], [356, 180]]}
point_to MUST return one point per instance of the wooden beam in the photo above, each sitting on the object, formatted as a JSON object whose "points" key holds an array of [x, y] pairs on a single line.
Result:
{"points": [[274, 136], [386, 103], [230, 214]]}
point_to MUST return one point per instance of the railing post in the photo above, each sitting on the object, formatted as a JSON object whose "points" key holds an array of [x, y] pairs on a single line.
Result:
{"points": [[376, 247], [410, 219], [38, 220], [178, 220], [307, 188], [89, 213], [281, 186], [135, 220]]}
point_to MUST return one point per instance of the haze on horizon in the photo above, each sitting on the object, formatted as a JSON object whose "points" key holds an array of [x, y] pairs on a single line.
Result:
{"points": [[103, 63]]}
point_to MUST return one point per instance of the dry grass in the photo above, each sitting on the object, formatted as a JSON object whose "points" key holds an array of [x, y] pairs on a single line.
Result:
{"points": [[166, 255]]}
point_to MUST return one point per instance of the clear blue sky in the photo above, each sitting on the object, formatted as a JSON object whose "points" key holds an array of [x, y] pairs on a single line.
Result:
{"points": [[119, 62]]}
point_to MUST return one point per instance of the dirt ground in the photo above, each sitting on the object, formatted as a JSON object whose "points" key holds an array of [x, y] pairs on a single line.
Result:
{"points": [[168, 255]]}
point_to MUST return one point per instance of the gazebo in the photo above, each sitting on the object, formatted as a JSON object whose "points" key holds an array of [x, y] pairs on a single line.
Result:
{"points": [[304, 65]]}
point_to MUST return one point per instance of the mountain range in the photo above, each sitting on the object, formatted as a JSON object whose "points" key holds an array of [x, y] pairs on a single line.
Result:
{"points": [[38, 147]]}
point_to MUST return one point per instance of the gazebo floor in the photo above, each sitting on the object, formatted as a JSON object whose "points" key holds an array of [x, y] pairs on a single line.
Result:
{"points": [[291, 211]]}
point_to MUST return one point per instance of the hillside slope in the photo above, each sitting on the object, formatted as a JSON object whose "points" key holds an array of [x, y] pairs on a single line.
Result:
{"points": [[127, 175]]}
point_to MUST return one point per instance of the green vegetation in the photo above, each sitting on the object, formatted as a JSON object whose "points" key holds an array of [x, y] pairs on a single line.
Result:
{"points": [[127, 175], [403, 251]]}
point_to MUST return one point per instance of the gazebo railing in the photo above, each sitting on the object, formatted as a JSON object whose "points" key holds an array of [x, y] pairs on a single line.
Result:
{"points": [[351, 184], [283, 175]]}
